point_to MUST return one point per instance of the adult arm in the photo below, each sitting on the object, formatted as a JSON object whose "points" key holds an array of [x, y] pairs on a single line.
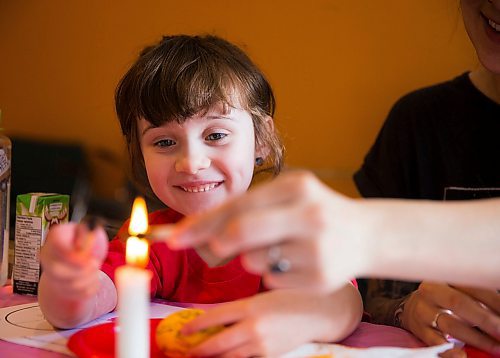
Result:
{"points": [[330, 238], [456, 242]]}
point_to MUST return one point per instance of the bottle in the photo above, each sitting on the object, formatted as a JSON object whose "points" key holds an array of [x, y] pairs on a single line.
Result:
{"points": [[5, 160]]}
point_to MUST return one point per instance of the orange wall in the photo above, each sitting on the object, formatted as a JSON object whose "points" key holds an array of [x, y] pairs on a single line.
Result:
{"points": [[337, 66]]}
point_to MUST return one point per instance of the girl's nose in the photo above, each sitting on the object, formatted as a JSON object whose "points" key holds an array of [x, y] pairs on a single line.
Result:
{"points": [[192, 162]]}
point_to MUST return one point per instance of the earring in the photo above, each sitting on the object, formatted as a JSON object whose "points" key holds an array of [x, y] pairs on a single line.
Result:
{"points": [[259, 161]]}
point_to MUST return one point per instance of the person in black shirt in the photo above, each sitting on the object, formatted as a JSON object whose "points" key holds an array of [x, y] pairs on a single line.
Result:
{"points": [[441, 143]]}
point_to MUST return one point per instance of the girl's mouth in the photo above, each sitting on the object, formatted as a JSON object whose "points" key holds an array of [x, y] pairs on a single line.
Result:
{"points": [[200, 188]]}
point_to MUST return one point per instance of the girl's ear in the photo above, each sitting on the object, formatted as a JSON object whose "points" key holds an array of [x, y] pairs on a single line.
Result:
{"points": [[262, 148]]}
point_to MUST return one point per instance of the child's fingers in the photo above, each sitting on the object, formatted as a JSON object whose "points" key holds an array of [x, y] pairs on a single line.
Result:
{"points": [[67, 264], [248, 349], [62, 272], [84, 287], [82, 238], [224, 314], [99, 248], [91, 239], [72, 260], [75, 281], [59, 243], [75, 244], [78, 291], [228, 339]]}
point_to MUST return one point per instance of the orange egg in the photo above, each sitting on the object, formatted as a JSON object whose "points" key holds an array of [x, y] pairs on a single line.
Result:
{"points": [[169, 338]]}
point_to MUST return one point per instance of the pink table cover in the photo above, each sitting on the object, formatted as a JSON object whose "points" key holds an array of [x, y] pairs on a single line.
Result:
{"points": [[366, 335]]}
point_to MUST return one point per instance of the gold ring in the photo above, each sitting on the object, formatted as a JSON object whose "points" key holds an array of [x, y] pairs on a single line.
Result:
{"points": [[434, 323]]}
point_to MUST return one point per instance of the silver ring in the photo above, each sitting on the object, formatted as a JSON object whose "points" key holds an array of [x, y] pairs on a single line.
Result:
{"points": [[434, 323], [277, 264]]}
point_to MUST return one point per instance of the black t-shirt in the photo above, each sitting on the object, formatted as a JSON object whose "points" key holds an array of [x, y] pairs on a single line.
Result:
{"points": [[439, 137], [438, 142]]}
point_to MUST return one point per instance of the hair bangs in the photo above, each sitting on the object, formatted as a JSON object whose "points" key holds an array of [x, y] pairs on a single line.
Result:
{"points": [[192, 86]]}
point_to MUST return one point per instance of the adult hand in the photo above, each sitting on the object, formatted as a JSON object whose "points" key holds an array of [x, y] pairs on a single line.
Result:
{"points": [[275, 322], [474, 317], [295, 212], [71, 258]]}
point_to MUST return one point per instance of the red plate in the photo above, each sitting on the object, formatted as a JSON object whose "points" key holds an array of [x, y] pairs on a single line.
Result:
{"points": [[99, 341], [477, 353]]}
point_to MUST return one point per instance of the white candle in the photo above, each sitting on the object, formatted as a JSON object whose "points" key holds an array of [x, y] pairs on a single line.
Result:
{"points": [[132, 283], [133, 312]]}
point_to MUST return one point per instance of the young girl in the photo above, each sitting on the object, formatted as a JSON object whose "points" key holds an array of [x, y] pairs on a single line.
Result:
{"points": [[197, 117]]}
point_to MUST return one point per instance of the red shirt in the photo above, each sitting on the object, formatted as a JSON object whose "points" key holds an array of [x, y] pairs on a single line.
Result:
{"points": [[183, 276]]}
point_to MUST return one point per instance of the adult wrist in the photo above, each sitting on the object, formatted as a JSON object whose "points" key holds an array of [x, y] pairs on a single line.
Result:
{"points": [[363, 237], [400, 311]]}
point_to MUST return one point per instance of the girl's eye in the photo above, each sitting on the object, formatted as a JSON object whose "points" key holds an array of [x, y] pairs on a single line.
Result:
{"points": [[216, 136], [164, 143]]}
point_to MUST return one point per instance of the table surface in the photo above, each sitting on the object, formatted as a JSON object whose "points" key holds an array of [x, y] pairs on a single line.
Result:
{"points": [[366, 335]]}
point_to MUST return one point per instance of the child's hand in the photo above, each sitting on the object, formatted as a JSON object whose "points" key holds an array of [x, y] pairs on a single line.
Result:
{"points": [[71, 258], [273, 323]]}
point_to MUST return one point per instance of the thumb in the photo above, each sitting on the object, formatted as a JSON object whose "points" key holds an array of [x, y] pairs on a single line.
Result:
{"points": [[92, 240], [100, 244], [59, 241]]}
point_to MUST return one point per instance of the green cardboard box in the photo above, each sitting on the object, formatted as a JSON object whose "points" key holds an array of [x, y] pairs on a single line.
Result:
{"points": [[35, 214]]}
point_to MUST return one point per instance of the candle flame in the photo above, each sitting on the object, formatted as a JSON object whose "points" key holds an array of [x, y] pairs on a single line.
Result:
{"points": [[137, 249], [137, 252], [139, 218]]}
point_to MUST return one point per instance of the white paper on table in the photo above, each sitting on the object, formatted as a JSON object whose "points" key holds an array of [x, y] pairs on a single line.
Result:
{"points": [[340, 351], [25, 325]]}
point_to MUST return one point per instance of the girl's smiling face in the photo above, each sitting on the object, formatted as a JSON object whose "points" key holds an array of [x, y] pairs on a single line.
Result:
{"points": [[200, 163]]}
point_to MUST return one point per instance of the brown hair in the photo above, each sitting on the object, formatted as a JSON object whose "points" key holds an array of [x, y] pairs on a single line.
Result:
{"points": [[183, 75]]}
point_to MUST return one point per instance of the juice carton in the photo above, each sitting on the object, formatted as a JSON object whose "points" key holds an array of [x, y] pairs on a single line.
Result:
{"points": [[35, 214]]}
